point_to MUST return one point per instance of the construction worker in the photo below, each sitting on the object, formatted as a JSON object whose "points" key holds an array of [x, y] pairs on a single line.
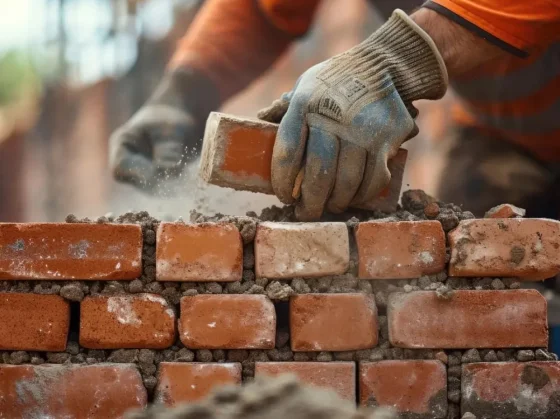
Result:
{"points": [[347, 115]]}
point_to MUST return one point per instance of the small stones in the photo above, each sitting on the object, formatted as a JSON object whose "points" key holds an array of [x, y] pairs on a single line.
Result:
{"points": [[184, 355], [278, 291], [448, 220], [497, 284], [468, 415], [57, 357], [542, 355], [136, 286], [505, 211], [490, 356], [324, 357], [444, 292], [454, 396], [472, 355], [19, 357], [441, 356], [431, 210], [72, 292], [525, 355], [204, 355]]}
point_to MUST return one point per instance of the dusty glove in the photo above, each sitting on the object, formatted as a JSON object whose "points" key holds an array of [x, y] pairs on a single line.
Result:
{"points": [[348, 115], [165, 133]]}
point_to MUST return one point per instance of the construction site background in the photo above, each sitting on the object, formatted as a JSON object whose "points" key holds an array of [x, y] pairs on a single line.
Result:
{"points": [[73, 70]]}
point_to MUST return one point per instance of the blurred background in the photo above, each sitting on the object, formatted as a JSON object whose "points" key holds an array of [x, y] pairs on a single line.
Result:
{"points": [[73, 70]]}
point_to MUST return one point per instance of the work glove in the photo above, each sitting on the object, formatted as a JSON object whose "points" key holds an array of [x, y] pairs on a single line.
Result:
{"points": [[347, 116], [165, 133]]}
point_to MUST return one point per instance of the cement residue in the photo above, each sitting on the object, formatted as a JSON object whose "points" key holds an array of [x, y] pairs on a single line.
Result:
{"points": [[270, 398]]}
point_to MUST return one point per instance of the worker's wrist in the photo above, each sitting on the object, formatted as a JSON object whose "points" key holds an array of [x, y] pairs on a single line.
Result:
{"points": [[187, 89]]}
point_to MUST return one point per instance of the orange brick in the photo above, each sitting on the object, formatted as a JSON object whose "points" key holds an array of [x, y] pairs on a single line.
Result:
{"points": [[505, 211], [337, 376], [513, 247], [406, 249], [237, 153], [199, 252], [227, 322], [333, 322], [416, 388], [285, 250], [126, 321], [70, 251], [70, 391], [511, 389], [469, 319], [33, 322], [181, 382]]}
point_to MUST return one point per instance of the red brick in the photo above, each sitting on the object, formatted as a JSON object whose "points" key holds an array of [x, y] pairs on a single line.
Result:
{"points": [[199, 252], [126, 321], [70, 251], [333, 322], [416, 388], [406, 249], [337, 376], [33, 322], [180, 382], [469, 319], [237, 153], [511, 390], [505, 211], [70, 391], [227, 322], [514, 247], [285, 250]]}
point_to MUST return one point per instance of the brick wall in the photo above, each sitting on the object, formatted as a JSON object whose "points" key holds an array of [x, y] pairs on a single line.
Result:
{"points": [[422, 310]]}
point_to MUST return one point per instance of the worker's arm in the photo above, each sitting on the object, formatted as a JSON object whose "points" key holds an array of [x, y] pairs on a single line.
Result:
{"points": [[229, 44], [348, 115]]}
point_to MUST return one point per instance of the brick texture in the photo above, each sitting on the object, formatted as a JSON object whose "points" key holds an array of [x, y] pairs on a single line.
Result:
{"points": [[511, 390], [70, 251], [333, 322], [237, 153], [416, 388], [285, 250], [126, 321], [180, 382], [199, 252], [33, 322], [337, 376], [70, 391], [227, 322], [400, 249], [468, 319], [515, 247]]}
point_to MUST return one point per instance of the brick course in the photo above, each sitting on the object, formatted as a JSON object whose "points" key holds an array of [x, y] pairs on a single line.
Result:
{"points": [[33, 322], [333, 322], [468, 319], [227, 322], [180, 382], [337, 376], [406, 249], [53, 251], [127, 321], [285, 250], [511, 390], [416, 388], [70, 391], [513, 247], [199, 252]]}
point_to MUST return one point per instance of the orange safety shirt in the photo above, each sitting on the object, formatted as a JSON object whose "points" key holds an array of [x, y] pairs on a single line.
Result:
{"points": [[517, 99]]}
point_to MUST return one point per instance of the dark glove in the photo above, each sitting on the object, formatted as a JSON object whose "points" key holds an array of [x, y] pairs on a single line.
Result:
{"points": [[348, 115], [165, 133]]}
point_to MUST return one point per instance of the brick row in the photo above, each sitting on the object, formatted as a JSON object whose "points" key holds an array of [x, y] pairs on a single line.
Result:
{"points": [[70, 391], [318, 322]]}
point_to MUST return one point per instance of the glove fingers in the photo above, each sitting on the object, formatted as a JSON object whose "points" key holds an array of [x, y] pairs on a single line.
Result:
{"points": [[376, 177], [275, 112], [288, 151], [129, 161], [320, 174], [349, 174]]}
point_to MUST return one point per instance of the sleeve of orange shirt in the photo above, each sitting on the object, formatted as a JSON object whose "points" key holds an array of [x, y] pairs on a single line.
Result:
{"points": [[518, 26], [232, 42]]}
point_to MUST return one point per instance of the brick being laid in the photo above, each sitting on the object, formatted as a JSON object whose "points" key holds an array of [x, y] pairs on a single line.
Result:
{"points": [[287, 250], [60, 251]]}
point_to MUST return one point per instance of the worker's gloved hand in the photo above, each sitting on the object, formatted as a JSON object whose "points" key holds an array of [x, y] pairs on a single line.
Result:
{"points": [[165, 133], [348, 115]]}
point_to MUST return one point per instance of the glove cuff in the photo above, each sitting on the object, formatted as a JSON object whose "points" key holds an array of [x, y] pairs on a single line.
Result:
{"points": [[187, 89], [401, 50]]}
